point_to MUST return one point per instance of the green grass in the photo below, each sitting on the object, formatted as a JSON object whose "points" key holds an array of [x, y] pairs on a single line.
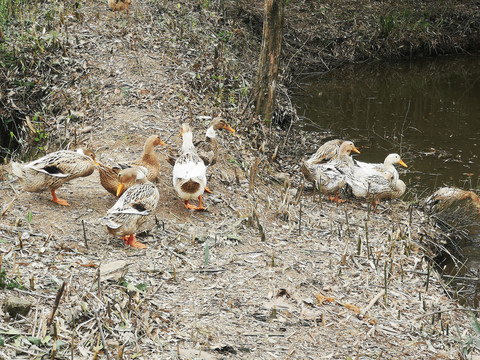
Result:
{"points": [[11, 10]]}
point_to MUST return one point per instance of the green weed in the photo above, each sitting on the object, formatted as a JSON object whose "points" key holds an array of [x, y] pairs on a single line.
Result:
{"points": [[9, 283]]}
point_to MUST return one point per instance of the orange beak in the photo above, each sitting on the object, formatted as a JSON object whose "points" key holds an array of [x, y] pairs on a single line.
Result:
{"points": [[356, 150], [229, 128], [162, 143], [402, 163], [120, 188]]}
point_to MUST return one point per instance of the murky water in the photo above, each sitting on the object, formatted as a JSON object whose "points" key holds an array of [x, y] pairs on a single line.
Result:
{"points": [[428, 111]]}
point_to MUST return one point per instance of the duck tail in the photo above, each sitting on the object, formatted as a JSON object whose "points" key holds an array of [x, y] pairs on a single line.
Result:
{"points": [[109, 222], [307, 172], [17, 170]]}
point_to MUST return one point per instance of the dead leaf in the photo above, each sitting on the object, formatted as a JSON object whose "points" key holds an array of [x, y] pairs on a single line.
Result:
{"points": [[321, 299], [352, 307]]}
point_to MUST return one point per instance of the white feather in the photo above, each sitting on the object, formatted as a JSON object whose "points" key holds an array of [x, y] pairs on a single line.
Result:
{"points": [[189, 170], [211, 132]]}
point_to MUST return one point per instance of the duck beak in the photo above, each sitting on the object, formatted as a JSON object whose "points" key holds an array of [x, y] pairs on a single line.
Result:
{"points": [[356, 150], [229, 128], [120, 189], [402, 163], [162, 143]]}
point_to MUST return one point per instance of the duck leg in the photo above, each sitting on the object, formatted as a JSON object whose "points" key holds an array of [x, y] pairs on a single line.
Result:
{"points": [[336, 198], [207, 190], [200, 206], [130, 240], [59, 201], [193, 207]]}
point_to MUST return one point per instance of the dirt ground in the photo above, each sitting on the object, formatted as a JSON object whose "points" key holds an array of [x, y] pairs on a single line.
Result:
{"points": [[266, 272]]}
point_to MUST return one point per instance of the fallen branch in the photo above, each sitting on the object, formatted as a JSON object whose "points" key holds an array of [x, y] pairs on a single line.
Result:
{"points": [[56, 303], [372, 302]]}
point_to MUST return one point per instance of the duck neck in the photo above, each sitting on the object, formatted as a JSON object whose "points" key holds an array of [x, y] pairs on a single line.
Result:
{"points": [[390, 167], [148, 149], [347, 159], [143, 180], [210, 134], [187, 144]]}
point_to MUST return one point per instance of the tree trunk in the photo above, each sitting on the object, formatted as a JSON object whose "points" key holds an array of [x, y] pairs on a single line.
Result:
{"points": [[265, 84]]}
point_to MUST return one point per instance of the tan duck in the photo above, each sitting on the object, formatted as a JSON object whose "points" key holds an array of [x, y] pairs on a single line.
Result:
{"points": [[327, 152], [119, 5], [445, 197], [330, 177], [132, 208], [53, 170], [189, 172], [149, 161]]}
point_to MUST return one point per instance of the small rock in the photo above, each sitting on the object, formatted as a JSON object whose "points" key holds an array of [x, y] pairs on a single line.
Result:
{"points": [[15, 305], [113, 270], [86, 129], [77, 115]]}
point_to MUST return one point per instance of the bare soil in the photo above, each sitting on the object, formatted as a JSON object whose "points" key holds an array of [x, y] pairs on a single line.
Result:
{"points": [[268, 271]]}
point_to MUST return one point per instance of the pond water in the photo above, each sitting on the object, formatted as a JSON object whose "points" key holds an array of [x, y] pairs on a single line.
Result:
{"points": [[427, 110]]}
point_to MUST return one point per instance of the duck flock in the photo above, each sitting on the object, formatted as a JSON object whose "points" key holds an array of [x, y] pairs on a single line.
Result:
{"points": [[330, 169], [132, 183]]}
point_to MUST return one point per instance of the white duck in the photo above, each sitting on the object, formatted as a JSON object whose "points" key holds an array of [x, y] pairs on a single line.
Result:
{"points": [[330, 177], [189, 172], [377, 181], [388, 164]]}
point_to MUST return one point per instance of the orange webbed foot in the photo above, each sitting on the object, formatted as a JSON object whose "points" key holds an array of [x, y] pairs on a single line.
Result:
{"points": [[59, 201], [336, 199], [207, 190], [189, 206], [131, 241]]}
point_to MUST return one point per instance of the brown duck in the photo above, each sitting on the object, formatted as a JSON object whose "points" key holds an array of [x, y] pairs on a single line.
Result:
{"points": [[148, 163], [119, 5]]}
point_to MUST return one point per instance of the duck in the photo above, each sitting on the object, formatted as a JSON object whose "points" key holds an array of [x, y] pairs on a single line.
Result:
{"points": [[207, 148], [53, 170], [377, 181], [130, 211], [119, 5], [189, 172], [327, 152], [148, 163], [387, 165], [445, 197], [329, 177]]}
